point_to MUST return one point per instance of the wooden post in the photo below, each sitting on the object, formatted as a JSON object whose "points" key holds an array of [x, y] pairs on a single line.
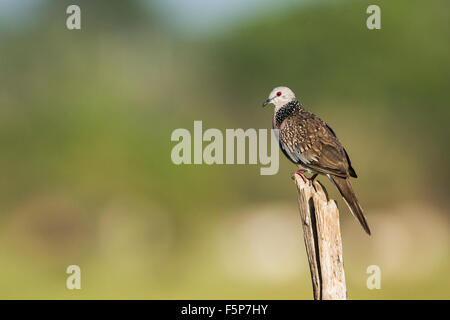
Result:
{"points": [[320, 221]]}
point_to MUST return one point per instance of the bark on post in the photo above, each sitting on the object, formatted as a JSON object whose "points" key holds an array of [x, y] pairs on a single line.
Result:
{"points": [[320, 221]]}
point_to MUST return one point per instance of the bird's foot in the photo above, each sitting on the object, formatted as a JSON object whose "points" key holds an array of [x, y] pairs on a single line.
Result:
{"points": [[311, 180], [301, 173]]}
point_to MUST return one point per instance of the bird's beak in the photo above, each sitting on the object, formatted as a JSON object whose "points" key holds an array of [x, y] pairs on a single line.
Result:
{"points": [[266, 102]]}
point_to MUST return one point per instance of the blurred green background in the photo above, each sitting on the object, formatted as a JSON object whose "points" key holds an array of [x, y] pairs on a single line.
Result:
{"points": [[86, 118]]}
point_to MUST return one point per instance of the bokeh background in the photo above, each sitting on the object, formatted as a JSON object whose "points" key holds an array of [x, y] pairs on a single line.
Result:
{"points": [[85, 124]]}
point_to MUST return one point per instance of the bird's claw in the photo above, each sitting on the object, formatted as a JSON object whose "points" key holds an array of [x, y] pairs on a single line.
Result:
{"points": [[311, 180], [301, 173]]}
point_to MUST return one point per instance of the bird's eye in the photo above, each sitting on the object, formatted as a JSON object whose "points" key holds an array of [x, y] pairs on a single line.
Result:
{"points": [[278, 93]]}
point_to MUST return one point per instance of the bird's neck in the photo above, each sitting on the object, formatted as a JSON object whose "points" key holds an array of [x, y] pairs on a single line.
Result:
{"points": [[284, 112]]}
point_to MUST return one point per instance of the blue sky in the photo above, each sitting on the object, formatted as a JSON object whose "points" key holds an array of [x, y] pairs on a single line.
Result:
{"points": [[12, 8], [200, 15], [187, 15]]}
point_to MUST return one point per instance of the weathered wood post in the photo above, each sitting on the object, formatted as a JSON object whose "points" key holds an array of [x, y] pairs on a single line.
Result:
{"points": [[320, 221]]}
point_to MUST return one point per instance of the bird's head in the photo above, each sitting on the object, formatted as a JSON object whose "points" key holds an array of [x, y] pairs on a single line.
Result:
{"points": [[279, 97]]}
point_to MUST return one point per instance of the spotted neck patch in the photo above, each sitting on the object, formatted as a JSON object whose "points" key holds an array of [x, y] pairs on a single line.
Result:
{"points": [[285, 111]]}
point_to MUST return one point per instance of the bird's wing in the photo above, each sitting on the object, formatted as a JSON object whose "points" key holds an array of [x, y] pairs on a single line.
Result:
{"points": [[290, 155], [351, 171], [308, 140]]}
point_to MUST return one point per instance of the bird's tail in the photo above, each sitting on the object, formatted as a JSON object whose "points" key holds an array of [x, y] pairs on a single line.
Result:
{"points": [[346, 190]]}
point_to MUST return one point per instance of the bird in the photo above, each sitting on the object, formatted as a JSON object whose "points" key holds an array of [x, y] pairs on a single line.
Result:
{"points": [[311, 144]]}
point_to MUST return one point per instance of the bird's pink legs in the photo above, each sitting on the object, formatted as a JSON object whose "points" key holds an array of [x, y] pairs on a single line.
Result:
{"points": [[311, 180], [302, 174]]}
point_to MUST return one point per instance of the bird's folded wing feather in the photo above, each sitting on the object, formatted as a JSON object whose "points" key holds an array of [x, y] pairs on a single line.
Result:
{"points": [[308, 141]]}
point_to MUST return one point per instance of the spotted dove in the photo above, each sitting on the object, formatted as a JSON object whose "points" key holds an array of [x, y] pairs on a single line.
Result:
{"points": [[312, 145]]}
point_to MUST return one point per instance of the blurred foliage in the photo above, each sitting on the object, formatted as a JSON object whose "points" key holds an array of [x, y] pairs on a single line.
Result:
{"points": [[85, 124]]}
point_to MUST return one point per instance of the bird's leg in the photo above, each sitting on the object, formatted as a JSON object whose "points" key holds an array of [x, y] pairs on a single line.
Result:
{"points": [[301, 173], [311, 180]]}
